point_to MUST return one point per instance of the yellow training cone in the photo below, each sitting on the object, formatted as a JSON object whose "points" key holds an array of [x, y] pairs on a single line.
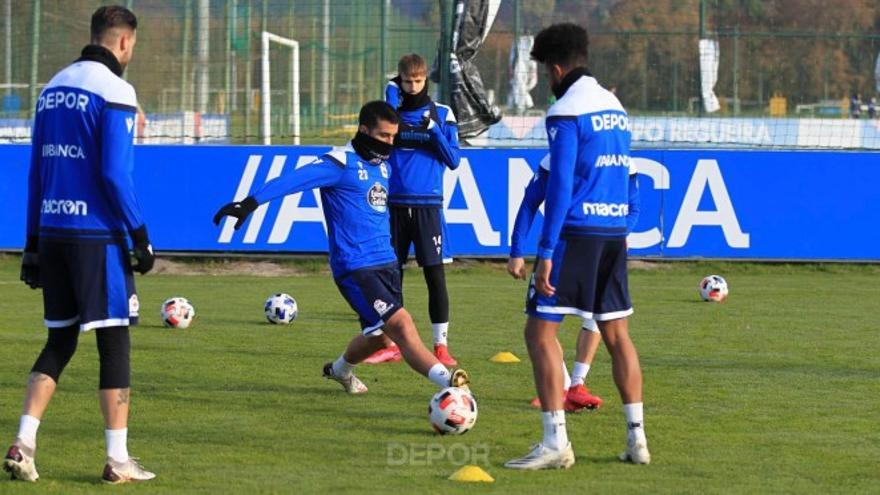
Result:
{"points": [[473, 474], [504, 357]]}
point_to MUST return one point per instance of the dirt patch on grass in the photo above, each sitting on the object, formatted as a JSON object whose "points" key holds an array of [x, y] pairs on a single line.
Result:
{"points": [[275, 268], [233, 267], [648, 265]]}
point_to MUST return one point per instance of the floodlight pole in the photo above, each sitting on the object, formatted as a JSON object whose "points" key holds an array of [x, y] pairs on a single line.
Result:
{"points": [[447, 18], [266, 96], [8, 17], [383, 46], [35, 53], [204, 54], [324, 105]]}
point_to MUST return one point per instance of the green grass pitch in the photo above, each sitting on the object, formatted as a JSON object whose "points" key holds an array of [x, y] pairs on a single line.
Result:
{"points": [[775, 391]]}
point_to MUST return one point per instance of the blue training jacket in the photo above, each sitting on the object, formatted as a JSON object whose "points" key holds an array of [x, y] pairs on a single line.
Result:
{"points": [[422, 153], [534, 196], [354, 197], [80, 183], [587, 189]]}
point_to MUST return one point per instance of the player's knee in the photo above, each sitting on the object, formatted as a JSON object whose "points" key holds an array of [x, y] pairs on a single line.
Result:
{"points": [[619, 344], [59, 348], [401, 329], [540, 342], [114, 351], [378, 340]]}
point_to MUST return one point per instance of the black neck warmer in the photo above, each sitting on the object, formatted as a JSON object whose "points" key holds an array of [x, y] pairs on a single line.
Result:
{"points": [[97, 53], [370, 148], [569, 79], [412, 102]]}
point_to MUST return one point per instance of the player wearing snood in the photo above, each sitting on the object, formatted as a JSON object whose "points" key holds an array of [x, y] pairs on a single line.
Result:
{"points": [[354, 194], [426, 145]]}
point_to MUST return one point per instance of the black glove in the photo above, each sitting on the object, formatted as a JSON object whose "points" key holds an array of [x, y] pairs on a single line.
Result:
{"points": [[30, 264], [238, 209], [143, 250]]}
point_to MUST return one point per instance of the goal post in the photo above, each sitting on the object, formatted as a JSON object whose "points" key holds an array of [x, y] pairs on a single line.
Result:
{"points": [[265, 91]]}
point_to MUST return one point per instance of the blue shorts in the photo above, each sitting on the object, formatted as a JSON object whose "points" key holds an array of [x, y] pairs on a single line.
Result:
{"points": [[423, 227], [589, 274], [374, 294], [87, 282]]}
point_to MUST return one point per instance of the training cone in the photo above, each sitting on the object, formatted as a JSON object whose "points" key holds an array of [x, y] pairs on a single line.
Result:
{"points": [[504, 357], [472, 474]]}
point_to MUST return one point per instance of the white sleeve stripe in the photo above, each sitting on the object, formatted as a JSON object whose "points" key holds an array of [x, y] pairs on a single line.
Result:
{"points": [[545, 162]]}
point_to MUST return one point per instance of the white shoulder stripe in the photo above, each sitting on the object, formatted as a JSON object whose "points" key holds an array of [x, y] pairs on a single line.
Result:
{"points": [[95, 78], [338, 154], [545, 162], [585, 96], [450, 117]]}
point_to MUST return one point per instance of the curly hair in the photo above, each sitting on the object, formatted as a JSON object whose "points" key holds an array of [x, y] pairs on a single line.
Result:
{"points": [[563, 44]]}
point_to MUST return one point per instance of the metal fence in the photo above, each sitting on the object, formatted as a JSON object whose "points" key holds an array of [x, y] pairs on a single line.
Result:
{"points": [[790, 73]]}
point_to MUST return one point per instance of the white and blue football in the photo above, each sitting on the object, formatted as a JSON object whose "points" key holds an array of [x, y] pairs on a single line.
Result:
{"points": [[280, 309]]}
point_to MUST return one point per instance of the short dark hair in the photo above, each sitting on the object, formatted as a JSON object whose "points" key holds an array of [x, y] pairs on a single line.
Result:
{"points": [[109, 17], [564, 44], [374, 111]]}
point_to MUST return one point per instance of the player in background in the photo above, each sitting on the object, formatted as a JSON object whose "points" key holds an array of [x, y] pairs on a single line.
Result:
{"points": [[81, 210], [581, 260], [577, 395], [426, 145], [354, 191]]}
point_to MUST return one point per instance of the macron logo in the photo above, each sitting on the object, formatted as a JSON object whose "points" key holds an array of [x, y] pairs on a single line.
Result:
{"points": [[552, 133], [129, 122], [65, 207], [606, 209]]}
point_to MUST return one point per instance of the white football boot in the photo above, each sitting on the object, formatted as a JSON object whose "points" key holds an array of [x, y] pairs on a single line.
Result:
{"points": [[351, 384], [19, 463], [542, 457], [636, 450], [125, 472]]}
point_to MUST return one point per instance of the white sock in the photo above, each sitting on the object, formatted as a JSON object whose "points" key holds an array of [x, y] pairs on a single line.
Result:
{"points": [[635, 420], [27, 431], [342, 368], [566, 378], [555, 434], [439, 375], [579, 373], [440, 332], [117, 444]]}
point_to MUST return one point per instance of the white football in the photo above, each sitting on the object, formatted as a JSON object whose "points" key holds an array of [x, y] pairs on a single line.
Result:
{"points": [[177, 312], [452, 411], [280, 309], [713, 288]]}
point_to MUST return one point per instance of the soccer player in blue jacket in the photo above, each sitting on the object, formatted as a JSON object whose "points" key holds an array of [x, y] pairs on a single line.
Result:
{"points": [[81, 211], [426, 146], [577, 395], [581, 260], [354, 191]]}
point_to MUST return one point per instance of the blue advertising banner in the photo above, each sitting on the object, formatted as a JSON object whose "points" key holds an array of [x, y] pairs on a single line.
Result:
{"points": [[775, 205]]}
